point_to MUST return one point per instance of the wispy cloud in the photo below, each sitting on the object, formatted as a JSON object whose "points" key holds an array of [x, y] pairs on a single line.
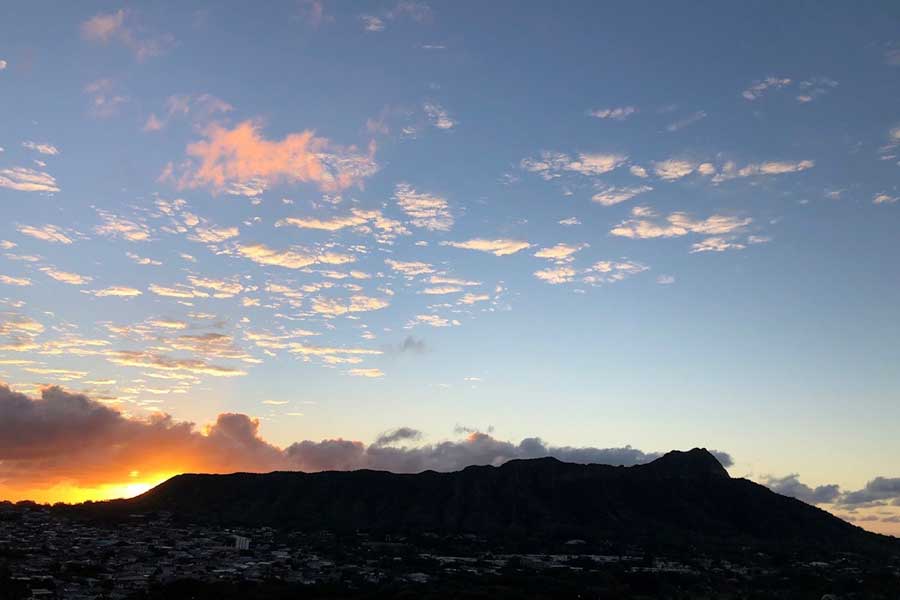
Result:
{"points": [[370, 373], [115, 226], [500, 247], [616, 114], [122, 26], [551, 165], [372, 23], [106, 100], [730, 170], [354, 304], [361, 221], [66, 276], [200, 109], [686, 121], [556, 275], [814, 88], [425, 210], [759, 88], [27, 180], [409, 268], [438, 116], [677, 224], [612, 271], [46, 233], [117, 291], [294, 258], [48, 149], [160, 362], [17, 281], [674, 168], [560, 252], [716, 244], [614, 195]]}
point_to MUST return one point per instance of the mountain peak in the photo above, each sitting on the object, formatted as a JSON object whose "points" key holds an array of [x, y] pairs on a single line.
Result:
{"points": [[696, 462]]}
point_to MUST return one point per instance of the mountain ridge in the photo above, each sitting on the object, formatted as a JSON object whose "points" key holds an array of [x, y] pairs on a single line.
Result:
{"points": [[681, 498]]}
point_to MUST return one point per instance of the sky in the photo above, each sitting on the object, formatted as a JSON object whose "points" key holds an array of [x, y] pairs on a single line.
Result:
{"points": [[401, 235]]}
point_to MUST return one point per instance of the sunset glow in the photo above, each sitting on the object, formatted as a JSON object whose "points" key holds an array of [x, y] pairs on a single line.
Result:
{"points": [[320, 235]]}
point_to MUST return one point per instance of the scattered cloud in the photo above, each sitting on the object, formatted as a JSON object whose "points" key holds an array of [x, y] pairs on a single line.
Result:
{"points": [[401, 434], [814, 88], [686, 121], [880, 489], [117, 290], [27, 180], [372, 23], [159, 362], [361, 221], [556, 275], [730, 170], [359, 303], [616, 114], [438, 116], [892, 57], [106, 100], [122, 26], [295, 258], [425, 210], [46, 233], [410, 345], [762, 86], [560, 252], [638, 171], [790, 485], [369, 373], [677, 224], [673, 168], [614, 195], [433, 321], [405, 9], [551, 165], [716, 244], [114, 226], [200, 109], [17, 281], [47, 149], [241, 161], [612, 271], [500, 247], [409, 268], [213, 235], [66, 276]]}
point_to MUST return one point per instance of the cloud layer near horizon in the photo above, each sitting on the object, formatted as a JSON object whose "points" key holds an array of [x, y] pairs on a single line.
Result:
{"points": [[68, 438]]}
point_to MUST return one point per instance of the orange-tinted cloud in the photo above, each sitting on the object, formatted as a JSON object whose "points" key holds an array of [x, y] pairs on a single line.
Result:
{"points": [[235, 160], [66, 446], [68, 439]]}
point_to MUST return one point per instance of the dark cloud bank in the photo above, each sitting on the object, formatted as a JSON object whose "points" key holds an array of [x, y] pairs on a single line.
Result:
{"points": [[879, 492], [67, 437]]}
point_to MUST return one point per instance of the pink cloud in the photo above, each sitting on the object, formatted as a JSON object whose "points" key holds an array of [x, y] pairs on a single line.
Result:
{"points": [[233, 159]]}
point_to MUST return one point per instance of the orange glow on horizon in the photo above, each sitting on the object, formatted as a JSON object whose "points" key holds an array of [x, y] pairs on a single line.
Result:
{"points": [[74, 494]]}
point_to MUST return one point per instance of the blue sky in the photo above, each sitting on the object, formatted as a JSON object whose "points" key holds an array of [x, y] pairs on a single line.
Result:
{"points": [[600, 224]]}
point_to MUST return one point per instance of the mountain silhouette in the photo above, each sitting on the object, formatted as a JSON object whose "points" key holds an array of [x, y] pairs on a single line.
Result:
{"points": [[682, 498]]}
